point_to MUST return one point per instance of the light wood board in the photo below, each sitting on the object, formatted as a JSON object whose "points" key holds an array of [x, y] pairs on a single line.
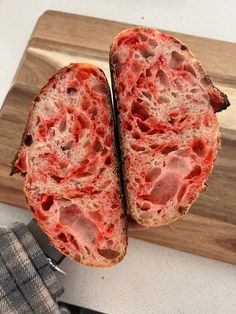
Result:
{"points": [[60, 38]]}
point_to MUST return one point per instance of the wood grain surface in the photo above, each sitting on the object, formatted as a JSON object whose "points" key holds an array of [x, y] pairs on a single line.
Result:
{"points": [[60, 38]]}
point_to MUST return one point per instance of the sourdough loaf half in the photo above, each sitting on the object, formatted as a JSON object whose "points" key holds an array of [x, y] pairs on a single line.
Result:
{"points": [[68, 156], [169, 134]]}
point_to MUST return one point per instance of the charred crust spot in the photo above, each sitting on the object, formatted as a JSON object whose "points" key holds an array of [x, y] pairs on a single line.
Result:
{"points": [[183, 47], [37, 99], [224, 104], [28, 140], [71, 89], [54, 86], [182, 210], [68, 69], [13, 171]]}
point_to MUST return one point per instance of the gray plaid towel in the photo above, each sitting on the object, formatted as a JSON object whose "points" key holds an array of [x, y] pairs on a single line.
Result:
{"points": [[27, 282]]}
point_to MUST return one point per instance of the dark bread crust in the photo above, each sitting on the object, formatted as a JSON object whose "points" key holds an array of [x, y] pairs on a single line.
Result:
{"points": [[15, 169], [218, 105], [118, 140]]}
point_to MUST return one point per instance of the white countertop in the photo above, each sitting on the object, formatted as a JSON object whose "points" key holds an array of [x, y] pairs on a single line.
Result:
{"points": [[151, 279]]}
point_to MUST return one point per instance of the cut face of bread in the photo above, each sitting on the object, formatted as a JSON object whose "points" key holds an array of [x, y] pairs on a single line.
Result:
{"points": [[169, 133], [68, 155]]}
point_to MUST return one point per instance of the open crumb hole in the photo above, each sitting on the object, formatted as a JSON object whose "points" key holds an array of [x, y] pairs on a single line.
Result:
{"points": [[146, 52], [145, 207], [162, 77], [62, 237], [176, 59], [62, 125], [47, 204], [143, 126], [137, 148], [147, 95], [139, 110], [153, 174], [190, 69], [108, 253]]}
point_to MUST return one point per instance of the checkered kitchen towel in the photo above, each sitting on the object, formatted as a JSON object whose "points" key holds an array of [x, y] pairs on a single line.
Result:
{"points": [[27, 282]]}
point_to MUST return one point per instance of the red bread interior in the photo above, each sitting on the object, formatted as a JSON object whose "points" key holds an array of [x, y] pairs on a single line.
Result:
{"points": [[69, 158], [168, 128]]}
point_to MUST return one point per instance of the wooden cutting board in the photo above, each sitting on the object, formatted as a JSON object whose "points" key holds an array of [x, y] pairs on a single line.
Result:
{"points": [[60, 38]]}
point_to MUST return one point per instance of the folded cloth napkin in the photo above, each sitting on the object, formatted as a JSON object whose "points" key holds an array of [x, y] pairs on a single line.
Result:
{"points": [[27, 282]]}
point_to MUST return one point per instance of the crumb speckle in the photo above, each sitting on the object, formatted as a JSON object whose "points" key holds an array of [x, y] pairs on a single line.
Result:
{"points": [[102, 277], [142, 17]]}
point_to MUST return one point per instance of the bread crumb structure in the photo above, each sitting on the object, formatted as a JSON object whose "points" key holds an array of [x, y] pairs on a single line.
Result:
{"points": [[169, 132], [68, 155]]}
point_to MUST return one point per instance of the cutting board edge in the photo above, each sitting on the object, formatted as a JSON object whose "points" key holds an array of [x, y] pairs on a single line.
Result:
{"points": [[129, 25]]}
